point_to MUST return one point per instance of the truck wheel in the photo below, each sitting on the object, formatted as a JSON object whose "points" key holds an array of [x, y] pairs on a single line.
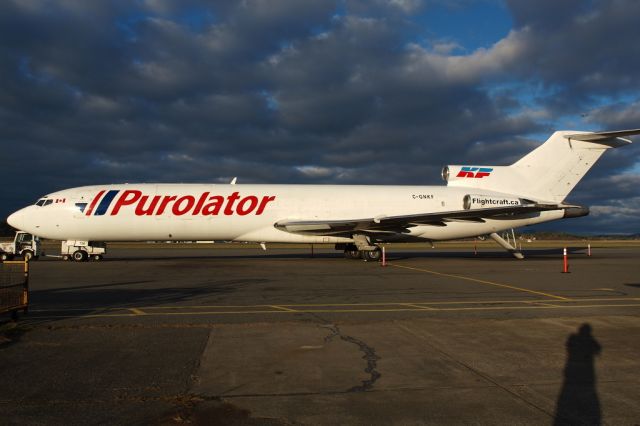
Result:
{"points": [[4, 256], [79, 256], [96, 257], [27, 255], [66, 257]]}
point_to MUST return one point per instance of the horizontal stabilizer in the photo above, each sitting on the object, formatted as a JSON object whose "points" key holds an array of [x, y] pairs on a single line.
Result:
{"points": [[603, 137]]}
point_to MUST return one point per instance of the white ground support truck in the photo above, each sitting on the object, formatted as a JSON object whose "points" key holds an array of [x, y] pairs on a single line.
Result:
{"points": [[23, 244], [82, 250]]}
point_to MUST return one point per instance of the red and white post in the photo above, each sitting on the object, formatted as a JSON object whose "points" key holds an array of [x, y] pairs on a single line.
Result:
{"points": [[565, 262]]}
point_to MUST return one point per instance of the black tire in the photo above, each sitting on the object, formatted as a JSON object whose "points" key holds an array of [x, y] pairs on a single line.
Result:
{"points": [[79, 255], [352, 254], [372, 255]]}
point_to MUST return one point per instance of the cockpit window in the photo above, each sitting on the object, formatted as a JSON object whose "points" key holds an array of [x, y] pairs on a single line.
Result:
{"points": [[43, 202]]}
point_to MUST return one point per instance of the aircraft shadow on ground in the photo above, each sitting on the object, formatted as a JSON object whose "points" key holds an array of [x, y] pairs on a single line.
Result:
{"points": [[266, 255], [578, 402], [530, 255], [120, 297], [84, 301], [90, 298], [400, 254]]}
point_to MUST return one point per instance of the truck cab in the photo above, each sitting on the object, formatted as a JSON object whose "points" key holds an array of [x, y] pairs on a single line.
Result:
{"points": [[24, 244]]}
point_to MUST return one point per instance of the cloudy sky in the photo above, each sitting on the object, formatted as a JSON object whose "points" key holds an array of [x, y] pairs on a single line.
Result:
{"points": [[290, 91]]}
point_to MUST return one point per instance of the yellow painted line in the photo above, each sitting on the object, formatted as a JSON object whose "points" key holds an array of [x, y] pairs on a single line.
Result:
{"points": [[545, 304], [159, 314], [604, 299], [291, 306], [300, 307], [462, 277], [84, 316], [303, 305], [498, 308], [408, 309], [282, 308], [413, 305], [315, 311], [566, 300]]}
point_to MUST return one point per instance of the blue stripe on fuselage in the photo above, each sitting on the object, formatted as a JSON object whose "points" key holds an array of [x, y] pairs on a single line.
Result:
{"points": [[106, 201]]}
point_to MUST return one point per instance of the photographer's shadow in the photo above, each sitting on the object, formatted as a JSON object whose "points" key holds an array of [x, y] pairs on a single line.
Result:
{"points": [[578, 402]]}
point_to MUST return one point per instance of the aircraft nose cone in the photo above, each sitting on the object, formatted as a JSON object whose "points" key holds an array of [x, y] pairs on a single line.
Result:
{"points": [[17, 220]]}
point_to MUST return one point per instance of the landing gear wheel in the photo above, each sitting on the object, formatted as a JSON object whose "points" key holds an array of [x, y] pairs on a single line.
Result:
{"points": [[79, 256], [66, 257], [5, 256], [372, 255], [352, 254], [27, 255], [96, 257]]}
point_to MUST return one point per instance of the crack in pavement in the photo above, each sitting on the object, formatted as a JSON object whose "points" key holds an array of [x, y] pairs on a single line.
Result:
{"points": [[369, 356]]}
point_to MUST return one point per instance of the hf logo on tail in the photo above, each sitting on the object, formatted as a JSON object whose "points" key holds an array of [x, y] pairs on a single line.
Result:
{"points": [[474, 172]]}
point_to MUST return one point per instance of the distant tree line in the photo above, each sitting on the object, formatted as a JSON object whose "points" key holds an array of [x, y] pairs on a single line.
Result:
{"points": [[549, 235], [565, 236]]}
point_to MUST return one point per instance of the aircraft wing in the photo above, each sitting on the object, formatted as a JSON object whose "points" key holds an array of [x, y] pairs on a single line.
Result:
{"points": [[402, 223]]}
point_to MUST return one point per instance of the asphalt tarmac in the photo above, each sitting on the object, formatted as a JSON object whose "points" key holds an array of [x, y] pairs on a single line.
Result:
{"points": [[246, 337]]}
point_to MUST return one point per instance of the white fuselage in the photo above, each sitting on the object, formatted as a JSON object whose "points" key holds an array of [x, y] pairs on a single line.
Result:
{"points": [[144, 212]]}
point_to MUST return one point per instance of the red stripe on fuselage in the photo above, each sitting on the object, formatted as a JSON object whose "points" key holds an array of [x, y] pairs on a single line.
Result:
{"points": [[94, 202]]}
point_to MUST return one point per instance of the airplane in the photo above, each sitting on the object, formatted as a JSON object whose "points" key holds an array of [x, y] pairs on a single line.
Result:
{"points": [[476, 201]]}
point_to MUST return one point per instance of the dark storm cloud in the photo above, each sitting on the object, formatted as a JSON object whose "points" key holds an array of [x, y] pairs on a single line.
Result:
{"points": [[291, 91], [581, 49]]}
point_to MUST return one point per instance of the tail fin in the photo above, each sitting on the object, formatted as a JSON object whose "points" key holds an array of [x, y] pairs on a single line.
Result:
{"points": [[549, 172]]}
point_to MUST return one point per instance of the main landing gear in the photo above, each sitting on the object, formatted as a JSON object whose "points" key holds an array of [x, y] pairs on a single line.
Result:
{"points": [[362, 249]]}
